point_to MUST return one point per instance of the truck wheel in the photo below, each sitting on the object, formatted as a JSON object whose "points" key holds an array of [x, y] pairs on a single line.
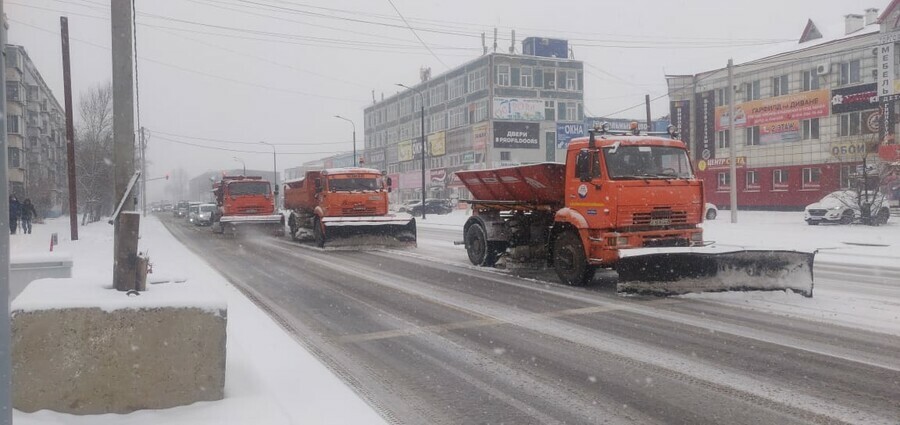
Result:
{"points": [[292, 223], [318, 233], [570, 261], [481, 252]]}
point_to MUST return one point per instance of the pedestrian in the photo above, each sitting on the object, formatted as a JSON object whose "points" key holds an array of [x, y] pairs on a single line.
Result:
{"points": [[14, 208], [28, 213]]}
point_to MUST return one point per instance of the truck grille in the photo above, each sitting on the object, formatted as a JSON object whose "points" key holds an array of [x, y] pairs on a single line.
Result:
{"points": [[664, 241], [251, 210], [659, 217], [349, 212], [817, 213]]}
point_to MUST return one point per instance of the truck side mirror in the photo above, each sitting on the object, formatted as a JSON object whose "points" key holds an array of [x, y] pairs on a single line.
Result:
{"points": [[318, 185], [583, 165], [390, 184], [276, 191]]}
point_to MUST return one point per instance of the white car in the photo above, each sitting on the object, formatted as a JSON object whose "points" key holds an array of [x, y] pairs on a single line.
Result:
{"points": [[710, 212], [204, 215], [843, 207]]}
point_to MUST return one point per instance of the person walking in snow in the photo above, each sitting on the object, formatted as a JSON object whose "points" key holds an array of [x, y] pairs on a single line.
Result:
{"points": [[13, 214], [27, 213]]}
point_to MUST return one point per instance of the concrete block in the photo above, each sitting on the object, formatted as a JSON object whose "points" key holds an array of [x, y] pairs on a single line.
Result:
{"points": [[92, 360]]}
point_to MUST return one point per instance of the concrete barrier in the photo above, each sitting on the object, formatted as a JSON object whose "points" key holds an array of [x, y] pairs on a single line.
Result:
{"points": [[25, 269], [116, 357]]}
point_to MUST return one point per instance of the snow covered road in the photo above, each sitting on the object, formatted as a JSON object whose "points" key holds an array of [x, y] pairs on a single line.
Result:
{"points": [[426, 338]]}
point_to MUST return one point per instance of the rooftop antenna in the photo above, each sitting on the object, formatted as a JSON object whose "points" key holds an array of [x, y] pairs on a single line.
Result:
{"points": [[495, 40], [483, 44], [512, 44], [373, 96]]}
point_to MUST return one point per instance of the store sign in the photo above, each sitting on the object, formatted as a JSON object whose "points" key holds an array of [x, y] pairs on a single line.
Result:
{"points": [[516, 135], [779, 132], [437, 145], [705, 103], [405, 151], [375, 156], [438, 176], [857, 98], [680, 115], [468, 157], [848, 150], [480, 135], [566, 132], [506, 108], [885, 76], [799, 106], [720, 163], [886, 128]]}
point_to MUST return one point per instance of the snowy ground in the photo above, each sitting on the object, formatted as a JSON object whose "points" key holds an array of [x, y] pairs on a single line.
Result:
{"points": [[270, 379], [857, 268]]}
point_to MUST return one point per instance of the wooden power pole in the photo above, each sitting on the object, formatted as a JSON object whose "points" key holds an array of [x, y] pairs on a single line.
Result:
{"points": [[70, 128]]}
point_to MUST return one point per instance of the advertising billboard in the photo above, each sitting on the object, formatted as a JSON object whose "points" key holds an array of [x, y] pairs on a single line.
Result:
{"points": [[680, 116], [437, 145], [798, 106], [405, 151], [856, 98], [567, 132], [779, 132], [480, 136], [516, 135], [510, 108], [705, 104]]}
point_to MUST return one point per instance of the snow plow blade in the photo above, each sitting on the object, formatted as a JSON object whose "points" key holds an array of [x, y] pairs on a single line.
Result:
{"points": [[234, 225], [682, 272], [361, 232]]}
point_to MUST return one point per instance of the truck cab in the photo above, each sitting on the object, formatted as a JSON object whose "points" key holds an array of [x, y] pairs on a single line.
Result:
{"points": [[244, 195]]}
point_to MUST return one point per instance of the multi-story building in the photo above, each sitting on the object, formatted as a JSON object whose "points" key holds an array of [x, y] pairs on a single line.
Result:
{"points": [[35, 123], [807, 114], [496, 110]]}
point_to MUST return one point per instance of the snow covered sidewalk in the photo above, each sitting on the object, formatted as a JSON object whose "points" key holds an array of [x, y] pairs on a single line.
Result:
{"points": [[270, 378]]}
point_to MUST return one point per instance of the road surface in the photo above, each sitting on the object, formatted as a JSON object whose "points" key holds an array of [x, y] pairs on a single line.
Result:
{"points": [[426, 338]]}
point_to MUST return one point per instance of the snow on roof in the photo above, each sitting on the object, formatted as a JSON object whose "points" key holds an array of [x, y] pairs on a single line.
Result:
{"points": [[831, 33]]}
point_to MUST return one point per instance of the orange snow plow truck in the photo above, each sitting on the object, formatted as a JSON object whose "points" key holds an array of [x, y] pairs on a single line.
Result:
{"points": [[245, 203], [346, 207], [626, 202]]}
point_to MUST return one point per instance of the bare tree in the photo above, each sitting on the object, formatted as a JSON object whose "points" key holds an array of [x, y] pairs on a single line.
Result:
{"points": [[93, 153]]}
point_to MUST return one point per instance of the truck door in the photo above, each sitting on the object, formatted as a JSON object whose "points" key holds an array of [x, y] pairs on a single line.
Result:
{"points": [[584, 187]]}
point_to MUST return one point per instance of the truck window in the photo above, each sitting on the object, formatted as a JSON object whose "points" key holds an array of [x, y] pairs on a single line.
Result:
{"points": [[248, 188], [629, 162], [352, 184]]}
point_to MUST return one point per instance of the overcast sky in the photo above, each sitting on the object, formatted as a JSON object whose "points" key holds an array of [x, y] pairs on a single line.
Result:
{"points": [[279, 70]]}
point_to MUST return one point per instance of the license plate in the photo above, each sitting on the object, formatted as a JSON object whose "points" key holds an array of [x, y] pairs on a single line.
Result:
{"points": [[250, 211], [659, 221]]}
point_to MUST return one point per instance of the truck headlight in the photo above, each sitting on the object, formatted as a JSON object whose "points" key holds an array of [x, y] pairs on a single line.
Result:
{"points": [[697, 237]]}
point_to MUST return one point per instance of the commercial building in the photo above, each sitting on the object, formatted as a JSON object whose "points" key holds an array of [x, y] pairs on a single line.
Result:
{"points": [[35, 125], [807, 114], [496, 110]]}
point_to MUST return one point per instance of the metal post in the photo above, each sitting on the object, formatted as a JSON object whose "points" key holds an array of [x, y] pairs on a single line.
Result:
{"points": [[732, 146], [649, 120], [422, 99], [354, 137], [143, 172], [5, 352], [274, 171], [242, 164], [70, 128], [123, 97]]}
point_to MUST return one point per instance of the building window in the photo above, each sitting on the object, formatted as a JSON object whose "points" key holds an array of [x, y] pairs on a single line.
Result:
{"points": [[723, 139], [751, 91], [752, 134], [850, 124], [550, 110], [723, 97], [846, 175], [780, 85], [549, 79], [810, 129], [525, 79], [811, 178], [12, 124], [505, 155], [752, 180], [724, 180], [571, 80], [779, 180], [12, 91], [477, 80], [503, 75], [477, 112], [14, 160], [568, 111], [810, 80], [849, 73], [457, 87]]}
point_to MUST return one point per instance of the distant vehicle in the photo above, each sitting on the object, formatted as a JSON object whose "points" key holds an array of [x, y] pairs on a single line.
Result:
{"points": [[181, 209], [711, 211], [432, 206], [193, 211], [204, 216], [845, 207], [404, 207], [246, 203]]}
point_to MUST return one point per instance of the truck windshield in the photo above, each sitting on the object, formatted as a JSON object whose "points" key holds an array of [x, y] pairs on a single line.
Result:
{"points": [[248, 188], [207, 208], [353, 184], [647, 162]]}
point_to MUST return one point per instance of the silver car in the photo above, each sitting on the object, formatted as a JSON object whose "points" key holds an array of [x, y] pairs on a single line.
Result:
{"points": [[844, 207]]}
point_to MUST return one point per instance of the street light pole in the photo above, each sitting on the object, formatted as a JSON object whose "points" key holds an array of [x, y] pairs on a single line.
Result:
{"points": [[422, 99], [242, 163], [354, 137], [274, 170]]}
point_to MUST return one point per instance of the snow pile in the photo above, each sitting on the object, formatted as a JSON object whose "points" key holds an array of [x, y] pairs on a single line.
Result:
{"points": [[270, 379]]}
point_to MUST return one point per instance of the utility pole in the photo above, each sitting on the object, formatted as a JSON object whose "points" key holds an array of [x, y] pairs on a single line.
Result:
{"points": [[143, 141], [5, 349], [732, 169], [70, 128], [422, 99], [649, 120], [354, 136]]}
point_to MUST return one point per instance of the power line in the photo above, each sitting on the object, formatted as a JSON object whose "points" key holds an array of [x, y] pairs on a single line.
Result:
{"points": [[218, 148], [416, 34], [209, 139]]}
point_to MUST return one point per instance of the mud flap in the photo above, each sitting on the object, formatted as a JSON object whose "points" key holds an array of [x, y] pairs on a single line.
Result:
{"points": [[674, 273]]}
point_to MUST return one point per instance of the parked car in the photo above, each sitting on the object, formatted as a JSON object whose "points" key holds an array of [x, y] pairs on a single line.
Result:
{"points": [[204, 215], [844, 207], [432, 206], [404, 207], [711, 211]]}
